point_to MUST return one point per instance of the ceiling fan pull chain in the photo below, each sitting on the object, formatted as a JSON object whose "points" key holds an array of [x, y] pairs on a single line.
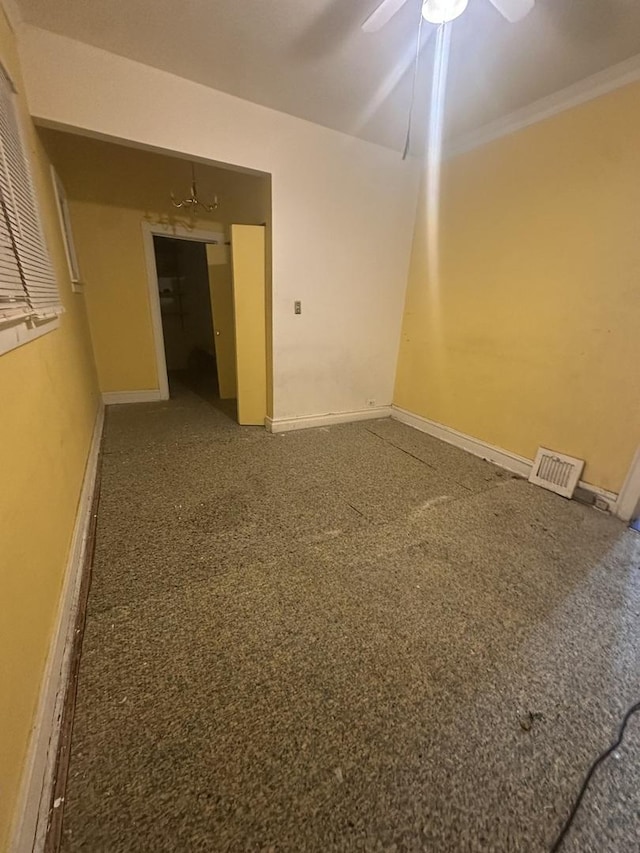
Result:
{"points": [[416, 65]]}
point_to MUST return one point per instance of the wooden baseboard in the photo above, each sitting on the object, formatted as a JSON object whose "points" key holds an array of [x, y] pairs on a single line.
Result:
{"points": [[30, 823]]}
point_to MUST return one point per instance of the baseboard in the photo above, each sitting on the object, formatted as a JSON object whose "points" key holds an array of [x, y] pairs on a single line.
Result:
{"points": [[503, 458], [30, 823], [311, 421], [114, 398], [497, 455]]}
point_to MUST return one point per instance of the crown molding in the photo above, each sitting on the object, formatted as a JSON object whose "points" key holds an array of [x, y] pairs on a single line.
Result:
{"points": [[579, 93]]}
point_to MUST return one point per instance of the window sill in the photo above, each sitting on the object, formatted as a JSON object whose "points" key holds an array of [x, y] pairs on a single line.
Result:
{"points": [[24, 331]]}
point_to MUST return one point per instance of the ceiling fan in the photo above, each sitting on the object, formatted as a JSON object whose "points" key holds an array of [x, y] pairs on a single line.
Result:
{"points": [[439, 12], [443, 11]]}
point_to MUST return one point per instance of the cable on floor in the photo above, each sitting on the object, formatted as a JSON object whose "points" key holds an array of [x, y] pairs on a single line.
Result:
{"points": [[557, 844]]}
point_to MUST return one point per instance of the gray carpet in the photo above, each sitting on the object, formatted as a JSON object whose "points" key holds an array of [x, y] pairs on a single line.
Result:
{"points": [[346, 639]]}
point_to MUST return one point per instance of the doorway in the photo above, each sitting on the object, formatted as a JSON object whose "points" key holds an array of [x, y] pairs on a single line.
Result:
{"points": [[209, 316], [189, 325]]}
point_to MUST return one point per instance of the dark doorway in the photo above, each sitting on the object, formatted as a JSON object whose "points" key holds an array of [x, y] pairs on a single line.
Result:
{"points": [[187, 320]]}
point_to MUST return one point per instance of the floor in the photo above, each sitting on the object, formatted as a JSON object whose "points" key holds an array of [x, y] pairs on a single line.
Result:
{"points": [[202, 380], [346, 639]]}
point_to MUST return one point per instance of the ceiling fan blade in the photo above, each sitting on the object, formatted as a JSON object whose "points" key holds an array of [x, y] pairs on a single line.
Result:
{"points": [[379, 17], [514, 10]]}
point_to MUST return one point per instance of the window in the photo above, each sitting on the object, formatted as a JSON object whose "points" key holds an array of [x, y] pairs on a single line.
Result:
{"points": [[29, 298], [67, 232]]}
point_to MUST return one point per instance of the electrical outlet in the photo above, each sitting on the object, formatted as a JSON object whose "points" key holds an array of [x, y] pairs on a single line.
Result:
{"points": [[297, 307]]}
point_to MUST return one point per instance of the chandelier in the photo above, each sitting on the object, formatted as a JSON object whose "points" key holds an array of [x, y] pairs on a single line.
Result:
{"points": [[192, 202]]}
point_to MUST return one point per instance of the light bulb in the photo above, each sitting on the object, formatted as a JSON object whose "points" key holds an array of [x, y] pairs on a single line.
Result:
{"points": [[441, 11]]}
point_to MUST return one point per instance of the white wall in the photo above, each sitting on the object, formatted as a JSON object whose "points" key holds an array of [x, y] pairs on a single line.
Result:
{"points": [[343, 210]]}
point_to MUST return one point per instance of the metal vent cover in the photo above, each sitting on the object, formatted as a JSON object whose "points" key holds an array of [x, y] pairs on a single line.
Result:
{"points": [[556, 472]]}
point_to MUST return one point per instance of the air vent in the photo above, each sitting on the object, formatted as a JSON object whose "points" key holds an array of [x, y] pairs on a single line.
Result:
{"points": [[556, 472]]}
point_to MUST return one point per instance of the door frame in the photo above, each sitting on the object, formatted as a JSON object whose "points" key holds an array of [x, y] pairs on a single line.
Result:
{"points": [[176, 232], [628, 503]]}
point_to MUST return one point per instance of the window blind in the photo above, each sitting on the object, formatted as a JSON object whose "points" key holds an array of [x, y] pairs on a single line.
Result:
{"points": [[21, 214], [13, 297]]}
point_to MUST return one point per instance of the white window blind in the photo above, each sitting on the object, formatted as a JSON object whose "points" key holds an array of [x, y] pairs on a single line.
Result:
{"points": [[13, 297], [21, 220]]}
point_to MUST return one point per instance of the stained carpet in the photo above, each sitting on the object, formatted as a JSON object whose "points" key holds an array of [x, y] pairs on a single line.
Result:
{"points": [[346, 639]]}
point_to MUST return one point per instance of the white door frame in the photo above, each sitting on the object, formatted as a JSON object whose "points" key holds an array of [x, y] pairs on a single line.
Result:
{"points": [[629, 497], [176, 232]]}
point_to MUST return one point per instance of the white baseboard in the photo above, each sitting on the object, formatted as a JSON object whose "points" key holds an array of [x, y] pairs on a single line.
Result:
{"points": [[113, 398], [30, 824], [503, 458], [310, 421]]}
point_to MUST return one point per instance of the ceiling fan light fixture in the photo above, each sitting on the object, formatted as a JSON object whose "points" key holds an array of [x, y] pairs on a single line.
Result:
{"points": [[443, 11]]}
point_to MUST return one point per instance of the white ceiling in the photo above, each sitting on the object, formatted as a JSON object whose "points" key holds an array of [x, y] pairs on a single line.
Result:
{"points": [[310, 58]]}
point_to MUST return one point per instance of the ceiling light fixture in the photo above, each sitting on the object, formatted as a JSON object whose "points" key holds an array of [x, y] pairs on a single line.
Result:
{"points": [[443, 11], [193, 202]]}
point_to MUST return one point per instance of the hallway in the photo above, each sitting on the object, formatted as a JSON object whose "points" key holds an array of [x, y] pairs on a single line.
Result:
{"points": [[356, 638]]}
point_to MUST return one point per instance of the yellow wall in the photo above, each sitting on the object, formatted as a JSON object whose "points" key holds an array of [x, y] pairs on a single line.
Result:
{"points": [[48, 394], [532, 334], [111, 190]]}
